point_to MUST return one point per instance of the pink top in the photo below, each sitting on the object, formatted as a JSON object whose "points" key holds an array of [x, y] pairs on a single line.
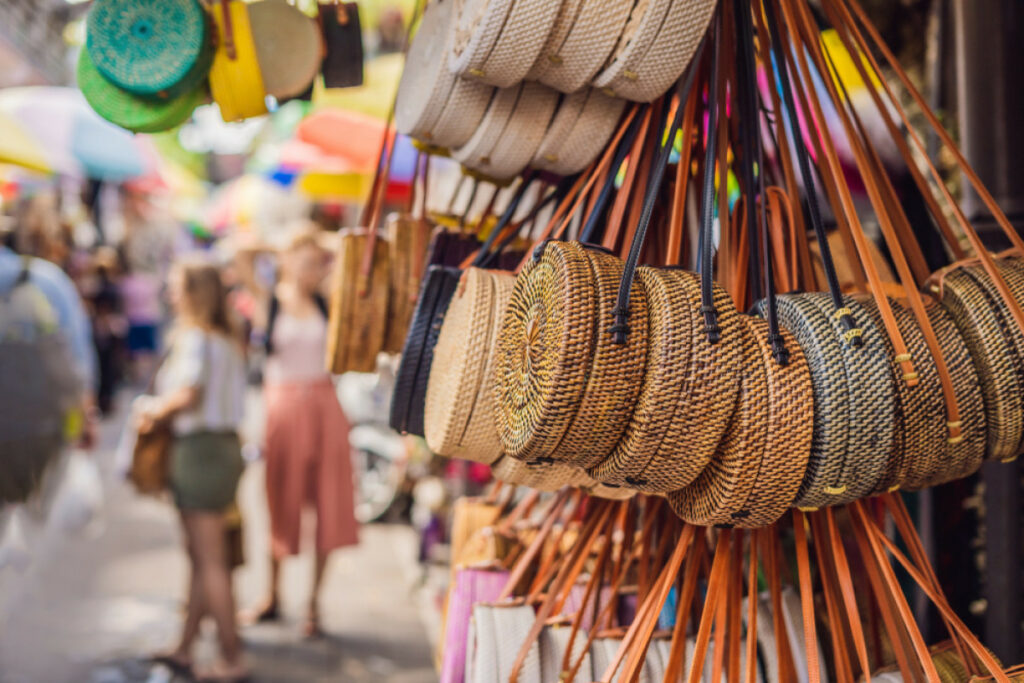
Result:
{"points": [[299, 345], [141, 295]]}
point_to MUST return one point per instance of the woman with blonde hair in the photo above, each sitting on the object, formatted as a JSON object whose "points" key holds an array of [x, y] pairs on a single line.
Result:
{"points": [[306, 447], [199, 392]]}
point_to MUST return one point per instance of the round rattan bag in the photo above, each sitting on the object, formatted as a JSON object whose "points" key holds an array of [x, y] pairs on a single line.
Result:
{"points": [[978, 317], [459, 413], [579, 131], [543, 476], [356, 325]]}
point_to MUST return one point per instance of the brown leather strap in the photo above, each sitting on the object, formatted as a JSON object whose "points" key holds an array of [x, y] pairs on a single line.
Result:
{"points": [[783, 651], [677, 649], [836, 631], [638, 187], [752, 599], [591, 590], [677, 220], [716, 586], [734, 616], [633, 163], [845, 581], [803, 564]]}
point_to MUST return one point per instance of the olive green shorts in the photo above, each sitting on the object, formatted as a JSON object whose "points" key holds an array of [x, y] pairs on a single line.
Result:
{"points": [[205, 469]]}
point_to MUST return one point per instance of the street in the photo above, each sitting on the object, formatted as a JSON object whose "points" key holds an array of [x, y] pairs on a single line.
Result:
{"points": [[91, 607]]}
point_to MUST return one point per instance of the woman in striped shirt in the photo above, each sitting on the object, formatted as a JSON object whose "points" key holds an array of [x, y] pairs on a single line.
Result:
{"points": [[200, 391]]}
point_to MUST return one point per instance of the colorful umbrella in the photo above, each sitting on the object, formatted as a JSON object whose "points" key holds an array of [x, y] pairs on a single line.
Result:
{"points": [[74, 140]]}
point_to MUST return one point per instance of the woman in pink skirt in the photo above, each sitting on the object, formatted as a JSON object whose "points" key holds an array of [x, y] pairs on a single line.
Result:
{"points": [[307, 448]]}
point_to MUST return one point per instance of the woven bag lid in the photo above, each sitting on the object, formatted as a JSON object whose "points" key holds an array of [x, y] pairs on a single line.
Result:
{"points": [[129, 111], [477, 26], [590, 38], [560, 28], [462, 113], [235, 80], [476, 152], [581, 128], [426, 81], [523, 35], [289, 47], [150, 48], [518, 142], [638, 34], [644, 74]]}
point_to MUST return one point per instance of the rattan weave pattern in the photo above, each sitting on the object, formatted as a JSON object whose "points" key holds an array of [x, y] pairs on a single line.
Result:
{"points": [[426, 81], [568, 112], [790, 409], [615, 372], [461, 115], [407, 240], [543, 351], [460, 357], [523, 35], [637, 36], [568, 12], [590, 133], [965, 457], [725, 484], [523, 134], [356, 327], [543, 476], [872, 404], [477, 26], [820, 346], [978, 319], [477, 150], [588, 45]]}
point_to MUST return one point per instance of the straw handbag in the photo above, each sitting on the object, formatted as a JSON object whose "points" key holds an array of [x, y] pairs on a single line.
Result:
{"points": [[458, 417], [150, 48], [433, 104], [358, 296], [497, 41], [541, 476], [289, 47], [583, 36], [236, 81], [500, 628], [655, 48], [579, 130], [470, 587], [407, 239]]}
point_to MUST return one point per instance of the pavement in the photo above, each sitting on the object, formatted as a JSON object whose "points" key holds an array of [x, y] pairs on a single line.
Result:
{"points": [[90, 607]]}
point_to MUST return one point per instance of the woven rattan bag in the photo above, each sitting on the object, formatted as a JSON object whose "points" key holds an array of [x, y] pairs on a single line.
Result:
{"points": [[579, 131], [407, 246], [458, 418], [356, 327]]}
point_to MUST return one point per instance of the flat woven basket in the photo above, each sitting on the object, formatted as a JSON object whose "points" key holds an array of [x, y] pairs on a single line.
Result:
{"points": [[523, 133], [522, 36], [703, 410], [150, 48], [409, 395], [458, 418], [129, 111], [579, 131], [542, 352], [790, 428], [407, 246], [820, 344], [569, 63], [648, 67], [289, 47], [356, 327], [615, 372], [725, 484], [979, 319], [872, 396]]}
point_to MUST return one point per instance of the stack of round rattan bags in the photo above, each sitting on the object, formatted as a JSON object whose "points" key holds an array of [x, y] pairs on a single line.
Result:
{"points": [[506, 84]]}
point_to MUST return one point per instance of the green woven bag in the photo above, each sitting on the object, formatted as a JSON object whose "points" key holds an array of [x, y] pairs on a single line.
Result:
{"points": [[150, 48], [129, 111]]}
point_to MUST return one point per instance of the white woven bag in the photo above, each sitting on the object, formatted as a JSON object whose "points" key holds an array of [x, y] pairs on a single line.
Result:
{"points": [[518, 143], [644, 73], [581, 43], [581, 128], [477, 24], [520, 39], [433, 104]]}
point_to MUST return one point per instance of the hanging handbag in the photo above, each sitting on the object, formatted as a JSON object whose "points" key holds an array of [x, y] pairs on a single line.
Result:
{"points": [[471, 586], [342, 65], [236, 81]]}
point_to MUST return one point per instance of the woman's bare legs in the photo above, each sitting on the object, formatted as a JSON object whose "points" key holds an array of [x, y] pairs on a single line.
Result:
{"points": [[312, 628], [209, 546]]}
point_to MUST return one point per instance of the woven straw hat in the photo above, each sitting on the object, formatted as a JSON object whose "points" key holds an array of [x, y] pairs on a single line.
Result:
{"points": [[458, 418], [978, 318], [790, 426], [356, 327], [579, 131], [289, 47], [725, 484], [539, 369], [433, 104], [522, 26], [656, 55], [816, 337], [872, 397], [129, 111], [703, 410], [581, 43], [516, 144]]}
